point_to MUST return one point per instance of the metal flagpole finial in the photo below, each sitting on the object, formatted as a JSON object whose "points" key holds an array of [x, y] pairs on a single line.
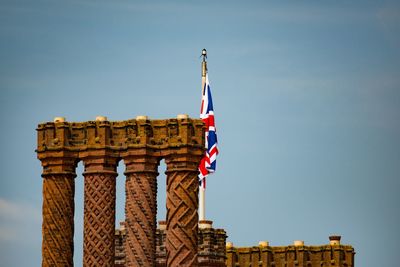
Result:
{"points": [[204, 63], [204, 54]]}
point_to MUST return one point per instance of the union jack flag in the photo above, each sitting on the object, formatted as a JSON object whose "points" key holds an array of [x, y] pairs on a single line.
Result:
{"points": [[208, 162]]}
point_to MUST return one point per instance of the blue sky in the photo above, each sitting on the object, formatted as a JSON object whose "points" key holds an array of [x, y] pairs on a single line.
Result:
{"points": [[306, 96]]}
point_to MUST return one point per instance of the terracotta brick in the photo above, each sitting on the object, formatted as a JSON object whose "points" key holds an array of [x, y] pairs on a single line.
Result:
{"points": [[101, 144]]}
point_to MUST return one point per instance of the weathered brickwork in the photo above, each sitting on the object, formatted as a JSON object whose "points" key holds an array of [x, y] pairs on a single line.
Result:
{"points": [[58, 227], [141, 211], [58, 211], [182, 205], [99, 211], [161, 253], [213, 251], [210, 247], [101, 144], [291, 256], [179, 241], [120, 239]]}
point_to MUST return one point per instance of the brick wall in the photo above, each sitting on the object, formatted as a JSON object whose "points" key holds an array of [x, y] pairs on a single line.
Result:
{"points": [[120, 237], [288, 256], [211, 247], [214, 251]]}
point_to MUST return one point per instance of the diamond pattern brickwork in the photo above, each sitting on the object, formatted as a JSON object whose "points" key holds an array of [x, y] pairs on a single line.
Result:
{"points": [[101, 144], [140, 214], [99, 219]]}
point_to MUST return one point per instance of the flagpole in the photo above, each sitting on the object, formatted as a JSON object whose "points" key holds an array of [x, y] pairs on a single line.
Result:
{"points": [[202, 190]]}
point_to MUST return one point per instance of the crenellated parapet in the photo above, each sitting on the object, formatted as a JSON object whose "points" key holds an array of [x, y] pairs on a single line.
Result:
{"points": [[333, 254]]}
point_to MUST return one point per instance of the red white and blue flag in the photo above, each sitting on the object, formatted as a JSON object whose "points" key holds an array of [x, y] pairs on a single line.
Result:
{"points": [[208, 162]]}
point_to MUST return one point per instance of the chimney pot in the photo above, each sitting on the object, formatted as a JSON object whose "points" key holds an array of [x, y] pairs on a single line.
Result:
{"points": [[334, 240], [141, 118], [101, 118], [229, 245], [162, 225], [182, 116], [263, 244], [204, 224], [59, 119], [298, 243]]}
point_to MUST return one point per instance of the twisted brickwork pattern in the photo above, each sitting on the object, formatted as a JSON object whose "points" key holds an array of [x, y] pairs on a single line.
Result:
{"points": [[141, 143], [99, 219], [182, 218], [58, 220], [140, 214]]}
